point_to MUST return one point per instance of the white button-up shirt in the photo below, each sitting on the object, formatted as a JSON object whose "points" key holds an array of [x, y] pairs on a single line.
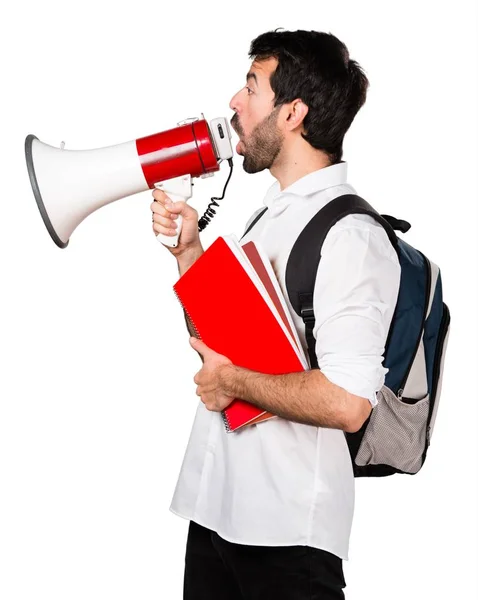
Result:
{"points": [[281, 483]]}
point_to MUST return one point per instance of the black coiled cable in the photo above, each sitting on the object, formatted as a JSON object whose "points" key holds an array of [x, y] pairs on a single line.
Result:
{"points": [[210, 212]]}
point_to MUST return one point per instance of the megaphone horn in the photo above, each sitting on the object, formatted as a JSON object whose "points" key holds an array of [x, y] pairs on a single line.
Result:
{"points": [[69, 185]]}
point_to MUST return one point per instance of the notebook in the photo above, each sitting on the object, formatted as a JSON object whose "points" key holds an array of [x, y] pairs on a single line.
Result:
{"points": [[238, 310], [263, 268]]}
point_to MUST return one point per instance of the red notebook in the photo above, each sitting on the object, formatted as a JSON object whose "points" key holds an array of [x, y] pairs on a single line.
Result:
{"points": [[231, 311]]}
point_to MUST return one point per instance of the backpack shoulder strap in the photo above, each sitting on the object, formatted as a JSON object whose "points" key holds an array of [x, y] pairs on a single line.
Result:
{"points": [[304, 258]]}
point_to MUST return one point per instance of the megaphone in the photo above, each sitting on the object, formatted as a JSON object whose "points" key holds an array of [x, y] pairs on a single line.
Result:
{"points": [[69, 185]]}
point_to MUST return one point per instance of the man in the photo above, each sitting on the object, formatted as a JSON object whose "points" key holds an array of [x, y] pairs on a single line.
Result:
{"points": [[271, 505]]}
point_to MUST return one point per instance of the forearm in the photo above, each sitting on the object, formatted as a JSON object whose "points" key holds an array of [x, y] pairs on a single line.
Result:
{"points": [[307, 397], [185, 261], [189, 325]]}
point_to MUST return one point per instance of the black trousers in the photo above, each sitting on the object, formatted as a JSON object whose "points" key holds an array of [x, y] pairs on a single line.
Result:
{"points": [[219, 570]]}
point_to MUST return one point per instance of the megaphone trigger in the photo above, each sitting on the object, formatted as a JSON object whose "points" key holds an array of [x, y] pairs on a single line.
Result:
{"points": [[178, 188]]}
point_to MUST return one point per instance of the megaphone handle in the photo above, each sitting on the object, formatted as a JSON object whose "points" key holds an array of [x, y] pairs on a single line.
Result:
{"points": [[172, 240]]}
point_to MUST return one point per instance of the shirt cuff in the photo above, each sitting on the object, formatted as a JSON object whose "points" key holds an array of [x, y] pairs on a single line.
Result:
{"points": [[373, 399], [345, 382]]}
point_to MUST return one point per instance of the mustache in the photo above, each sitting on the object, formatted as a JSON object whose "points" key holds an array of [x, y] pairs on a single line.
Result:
{"points": [[237, 126]]}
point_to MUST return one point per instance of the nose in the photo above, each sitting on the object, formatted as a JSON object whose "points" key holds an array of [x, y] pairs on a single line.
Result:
{"points": [[234, 103]]}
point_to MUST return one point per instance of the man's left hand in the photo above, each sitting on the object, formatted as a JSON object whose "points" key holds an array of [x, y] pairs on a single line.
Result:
{"points": [[210, 379]]}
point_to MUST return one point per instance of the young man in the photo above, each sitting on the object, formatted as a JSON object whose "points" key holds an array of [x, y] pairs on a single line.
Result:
{"points": [[271, 506]]}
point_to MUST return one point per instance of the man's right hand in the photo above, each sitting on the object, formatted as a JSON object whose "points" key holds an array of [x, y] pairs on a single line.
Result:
{"points": [[164, 221]]}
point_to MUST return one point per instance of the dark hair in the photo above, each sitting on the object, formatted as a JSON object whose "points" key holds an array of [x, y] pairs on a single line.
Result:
{"points": [[315, 67]]}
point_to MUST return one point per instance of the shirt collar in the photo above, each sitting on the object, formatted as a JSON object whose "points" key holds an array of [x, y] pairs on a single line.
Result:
{"points": [[308, 184]]}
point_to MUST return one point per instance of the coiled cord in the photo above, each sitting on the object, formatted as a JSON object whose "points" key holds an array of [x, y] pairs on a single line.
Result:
{"points": [[210, 212]]}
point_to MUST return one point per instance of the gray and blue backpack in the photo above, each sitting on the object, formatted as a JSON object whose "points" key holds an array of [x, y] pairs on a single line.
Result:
{"points": [[396, 436]]}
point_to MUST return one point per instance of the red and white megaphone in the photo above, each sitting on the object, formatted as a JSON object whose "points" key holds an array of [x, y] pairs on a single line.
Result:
{"points": [[71, 184]]}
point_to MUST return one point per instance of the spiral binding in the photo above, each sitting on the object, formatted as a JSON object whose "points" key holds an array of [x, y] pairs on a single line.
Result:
{"points": [[196, 332], [210, 212], [226, 422]]}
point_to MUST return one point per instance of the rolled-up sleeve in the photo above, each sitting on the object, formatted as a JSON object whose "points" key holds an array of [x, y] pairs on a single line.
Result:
{"points": [[354, 299]]}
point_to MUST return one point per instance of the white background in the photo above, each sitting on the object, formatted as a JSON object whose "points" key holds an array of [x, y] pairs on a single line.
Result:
{"points": [[97, 392]]}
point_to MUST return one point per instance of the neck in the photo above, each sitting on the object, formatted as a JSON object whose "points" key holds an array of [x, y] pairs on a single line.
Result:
{"points": [[296, 161]]}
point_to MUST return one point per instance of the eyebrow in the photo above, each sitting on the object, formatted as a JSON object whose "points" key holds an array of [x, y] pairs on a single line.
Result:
{"points": [[252, 76]]}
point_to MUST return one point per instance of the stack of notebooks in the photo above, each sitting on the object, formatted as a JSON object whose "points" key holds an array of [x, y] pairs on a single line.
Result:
{"points": [[236, 306]]}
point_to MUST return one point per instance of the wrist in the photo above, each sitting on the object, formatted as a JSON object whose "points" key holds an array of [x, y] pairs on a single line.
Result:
{"points": [[227, 378], [187, 258]]}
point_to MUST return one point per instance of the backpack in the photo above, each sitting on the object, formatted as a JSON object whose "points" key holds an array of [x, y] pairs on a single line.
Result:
{"points": [[396, 436]]}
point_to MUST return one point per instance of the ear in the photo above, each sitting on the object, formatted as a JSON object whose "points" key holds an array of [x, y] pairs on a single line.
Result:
{"points": [[296, 113]]}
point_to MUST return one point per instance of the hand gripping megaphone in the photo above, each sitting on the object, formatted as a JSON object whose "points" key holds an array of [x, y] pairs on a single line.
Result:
{"points": [[69, 185]]}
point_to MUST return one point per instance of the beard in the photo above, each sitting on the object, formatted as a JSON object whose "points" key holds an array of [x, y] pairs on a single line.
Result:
{"points": [[264, 144]]}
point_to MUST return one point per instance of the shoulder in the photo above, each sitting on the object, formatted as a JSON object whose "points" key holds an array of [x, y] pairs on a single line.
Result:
{"points": [[360, 230]]}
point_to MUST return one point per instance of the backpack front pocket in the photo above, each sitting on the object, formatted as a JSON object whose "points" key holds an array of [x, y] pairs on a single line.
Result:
{"points": [[396, 433]]}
